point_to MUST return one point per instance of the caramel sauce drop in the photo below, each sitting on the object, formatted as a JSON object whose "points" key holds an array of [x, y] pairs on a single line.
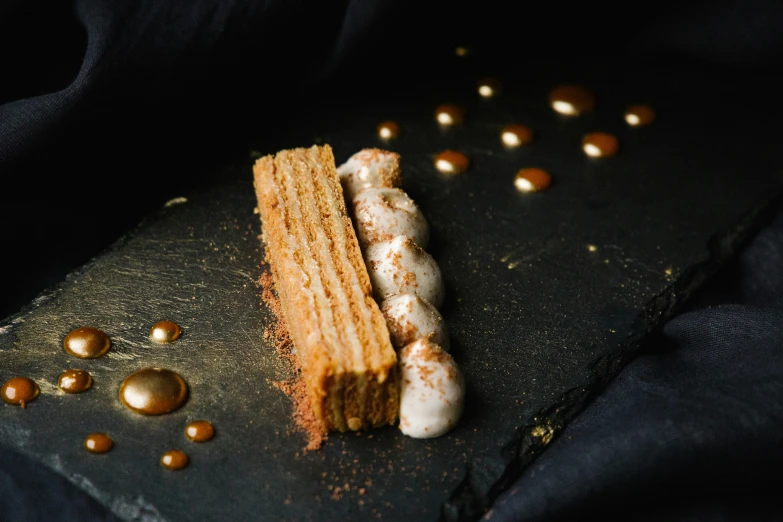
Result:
{"points": [[388, 130], [164, 332], [174, 459], [87, 343], [451, 162], [199, 431], [600, 144], [489, 87], [532, 180], [98, 443], [18, 391], [449, 115], [153, 391], [516, 135], [461, 51], [571, 100], [639, 115], [74, 381]]}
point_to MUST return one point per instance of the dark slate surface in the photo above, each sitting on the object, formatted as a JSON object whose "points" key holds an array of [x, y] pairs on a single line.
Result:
{"points": [[538, 321]]}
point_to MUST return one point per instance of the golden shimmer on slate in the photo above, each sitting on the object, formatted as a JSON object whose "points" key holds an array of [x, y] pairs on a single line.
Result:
{"points": [[98, 443], [532, 179], [174, 460], [153, 391], [639, 115], [388, 130], [600, 144], [448, 114], [451, 162], [87, 343], [489, 87], [74, 381], [165, 332], [514, 135], [571, 100], [199, 431], [18, 391]]}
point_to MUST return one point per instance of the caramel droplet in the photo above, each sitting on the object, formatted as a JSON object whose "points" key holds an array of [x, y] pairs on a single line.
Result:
{"points": [[451, 162], [639, 115], [98, 443], [199, 431], [516, 135], [174, 459], [153, 391], [74, 381], [388, 130], [165, 332], [532, 180], [571, 100], [489, 87], [599, 144], [461, 51], [18, 391], [87, 343], [449, 115]]}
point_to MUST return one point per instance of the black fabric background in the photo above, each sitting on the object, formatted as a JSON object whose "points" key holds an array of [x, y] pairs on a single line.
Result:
{"points": [[108, 109]]}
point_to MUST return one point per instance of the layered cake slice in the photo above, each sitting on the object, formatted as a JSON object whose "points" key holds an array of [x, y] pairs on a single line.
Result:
{"points": [[348, 364]]}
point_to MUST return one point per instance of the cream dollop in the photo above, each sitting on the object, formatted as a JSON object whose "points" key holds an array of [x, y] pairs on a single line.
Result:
{"points": [[399, 266], [432, 390], [409, 317], [381, 213], [369, 168]]}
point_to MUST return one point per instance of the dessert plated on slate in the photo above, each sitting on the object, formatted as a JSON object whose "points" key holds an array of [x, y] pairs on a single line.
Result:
{"points": [[350, 296]]}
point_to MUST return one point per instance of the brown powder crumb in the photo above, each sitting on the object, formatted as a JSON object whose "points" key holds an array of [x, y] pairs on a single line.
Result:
{"points": [[303, 417]]}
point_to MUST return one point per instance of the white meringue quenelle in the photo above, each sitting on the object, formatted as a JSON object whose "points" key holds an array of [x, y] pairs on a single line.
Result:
{"points": [[432, 390], [399, 266], [409, 317], [369, 168], [381, 213]]}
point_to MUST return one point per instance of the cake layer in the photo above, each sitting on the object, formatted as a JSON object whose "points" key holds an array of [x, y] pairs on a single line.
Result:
{"points": [[342, 343]]}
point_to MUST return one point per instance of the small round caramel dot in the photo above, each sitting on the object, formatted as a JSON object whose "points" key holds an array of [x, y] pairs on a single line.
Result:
{"points": [[639, 115], [199, 431], [165, 332], [98, 443], [532, 180], [74, 381], [461, 51], [18, 391], [87, 343], [516, 135], [451, 162], [599, 144], [449, 115], [571, 100], [388, 130], [489, 87], [174, 459], [153, 391]]}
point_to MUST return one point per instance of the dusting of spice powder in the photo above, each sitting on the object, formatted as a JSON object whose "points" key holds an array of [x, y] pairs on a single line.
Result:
{"points": [[277, 333]]}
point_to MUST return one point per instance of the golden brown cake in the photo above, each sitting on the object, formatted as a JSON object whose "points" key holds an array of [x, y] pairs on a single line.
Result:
{"points": [[348, 364]]}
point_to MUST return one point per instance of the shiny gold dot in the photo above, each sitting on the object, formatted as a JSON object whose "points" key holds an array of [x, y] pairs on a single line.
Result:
{"points": [[639, 115], [87, 343], [153, 391], [199, 431], [74, 381], [388, 130], [599, 144], [489, 87], [174, 460], [571, 100], [449, 115], [532, 180], [451, 162], [18, 391], [98, 443], [461, 51], [165, 332], [516, 135], [592, 248]]}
